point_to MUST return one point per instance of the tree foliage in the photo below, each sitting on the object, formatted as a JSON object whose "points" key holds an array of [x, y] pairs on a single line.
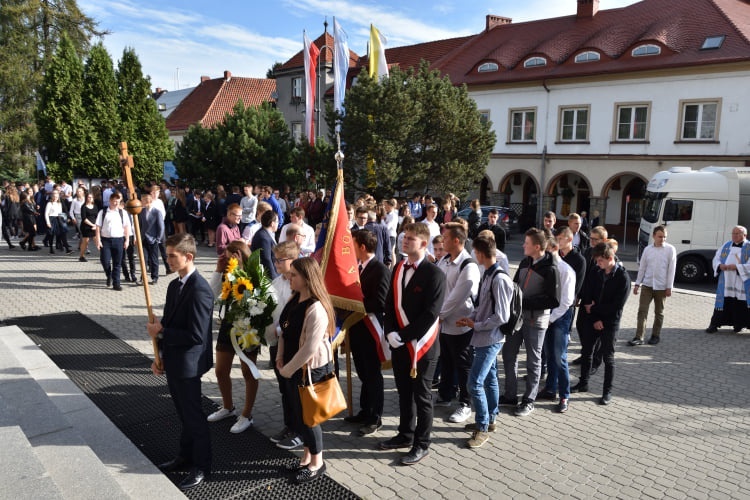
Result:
{"points": [[30, 31], [141, 125], [251, 144], [415, 130], [60, 117], [100, 104]]}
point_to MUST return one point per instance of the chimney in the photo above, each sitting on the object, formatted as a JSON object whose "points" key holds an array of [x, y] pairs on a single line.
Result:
{"points": [[227, 75], [587, 8], [205, 78], [494, 21]]}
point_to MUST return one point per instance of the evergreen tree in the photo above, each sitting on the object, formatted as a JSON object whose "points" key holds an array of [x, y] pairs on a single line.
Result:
{"points": [[100, 100], [251, 144], [413, 130], [141, 125], [18, 79], [60, 119]]}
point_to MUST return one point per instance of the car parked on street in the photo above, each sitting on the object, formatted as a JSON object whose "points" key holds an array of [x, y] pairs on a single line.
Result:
{"points": [[506, 217]]}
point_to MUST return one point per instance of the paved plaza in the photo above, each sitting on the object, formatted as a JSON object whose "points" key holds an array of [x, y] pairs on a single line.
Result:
{"points": [[677, 428]]}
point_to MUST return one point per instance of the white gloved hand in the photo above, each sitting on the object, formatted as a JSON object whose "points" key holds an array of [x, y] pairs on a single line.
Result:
{"points": [[394, 339]]}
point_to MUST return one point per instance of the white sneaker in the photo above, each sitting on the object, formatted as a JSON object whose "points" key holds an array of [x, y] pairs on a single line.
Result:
{"points": [[290, 443], [242, 424], [221, 414], [462, 413]]}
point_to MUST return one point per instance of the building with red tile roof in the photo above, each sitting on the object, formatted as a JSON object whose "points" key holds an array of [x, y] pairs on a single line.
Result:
{"points": [[210, 101]]}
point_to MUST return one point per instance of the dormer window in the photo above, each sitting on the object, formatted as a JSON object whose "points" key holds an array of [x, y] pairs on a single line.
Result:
{"points": [[646, 50], [488, 67], [588, 56], [713, 42], [534, 62]]}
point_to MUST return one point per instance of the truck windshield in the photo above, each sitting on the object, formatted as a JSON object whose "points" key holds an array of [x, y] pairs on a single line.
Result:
{"points": [[652, 206]]}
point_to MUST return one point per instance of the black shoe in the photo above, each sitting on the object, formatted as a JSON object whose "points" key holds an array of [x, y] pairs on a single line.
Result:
{"points": [[109, 282], [153, 282], [82, 259], [33, 249], [195, 478], [712, 329], [133, 279], [396, 442], [546, 396], [51, 250], [636, 341], [606, 399], [11, 247], [593, 370], [503, 401], [23, 245], [174, 465], [68, 251], [368, 429], [580, 387], [653, 340], [306, 475], [359, 418], [738, 330], [577, 361], [414, 456], [295, 467], [117, 288]]}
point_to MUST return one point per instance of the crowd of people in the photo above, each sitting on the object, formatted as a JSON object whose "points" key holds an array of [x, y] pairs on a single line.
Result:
{"points": [[437, 294]]}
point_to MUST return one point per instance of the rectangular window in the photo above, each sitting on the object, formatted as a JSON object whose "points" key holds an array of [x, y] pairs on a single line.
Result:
{"points": [[632, 122], [297, 131], [484, 117], [522, 125], [678, 210], [297, 87], [699, 121], [574, 124]]}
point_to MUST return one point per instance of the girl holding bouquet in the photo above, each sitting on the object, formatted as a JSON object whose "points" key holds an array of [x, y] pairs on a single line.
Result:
{"points": [[235, 252]]}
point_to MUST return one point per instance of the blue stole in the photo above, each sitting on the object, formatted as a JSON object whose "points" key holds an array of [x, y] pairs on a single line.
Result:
{"points": [[745, 257]]}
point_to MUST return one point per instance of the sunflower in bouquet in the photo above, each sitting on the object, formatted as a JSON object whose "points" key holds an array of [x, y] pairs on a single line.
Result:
{"points": [[246, 298]]}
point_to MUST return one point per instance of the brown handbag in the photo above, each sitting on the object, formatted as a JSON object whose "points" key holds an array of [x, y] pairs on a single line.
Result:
{"points": [[322, 400]]}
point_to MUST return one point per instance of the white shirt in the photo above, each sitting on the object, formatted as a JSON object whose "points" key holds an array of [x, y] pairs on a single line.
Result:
{"points": [[462, 286], [248, 204], [308, 246], [567, 289], [281, 292], [52, 209], [657, 267], [434, 231], [66, 190], [391, 222], [501, 259], [75, 207], [111, 225], [250, 231]]}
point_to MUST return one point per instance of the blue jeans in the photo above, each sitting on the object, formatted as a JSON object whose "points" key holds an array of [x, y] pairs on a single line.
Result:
{"points": [[483, 385], [111, 258], [556, 349]]}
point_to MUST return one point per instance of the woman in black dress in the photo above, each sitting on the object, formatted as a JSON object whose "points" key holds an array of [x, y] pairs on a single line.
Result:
{"points": [[88, 225], [306, 323], [180, 210], [28, 217]]}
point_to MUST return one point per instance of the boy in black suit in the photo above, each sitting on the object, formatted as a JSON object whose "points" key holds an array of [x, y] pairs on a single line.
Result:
{"points": [[365, 336], [184, 335], [414, 301]]}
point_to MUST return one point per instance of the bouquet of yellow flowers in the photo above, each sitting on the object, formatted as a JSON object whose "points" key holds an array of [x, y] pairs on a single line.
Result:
{"points": [[247, 301]]}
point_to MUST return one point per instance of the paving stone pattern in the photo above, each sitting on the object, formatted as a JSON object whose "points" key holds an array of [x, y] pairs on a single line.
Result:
{"points": [[678, 425]]}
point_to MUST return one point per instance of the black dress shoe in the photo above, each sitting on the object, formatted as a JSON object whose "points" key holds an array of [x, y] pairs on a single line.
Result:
{"points": [[653, 340], [174, 465], [109, 282], [577, 361], [195, 478], [580, 387], [712, 329], [414, 456], [606, 399], [370, 428], [546, 396], [295, 467], [306, 475], [396, 442]]}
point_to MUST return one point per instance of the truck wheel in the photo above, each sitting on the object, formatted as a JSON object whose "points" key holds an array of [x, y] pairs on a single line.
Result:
{"points": [[691, 269]]}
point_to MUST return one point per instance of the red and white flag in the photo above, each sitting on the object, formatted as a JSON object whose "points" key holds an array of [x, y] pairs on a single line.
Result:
{"points": [[311, 63]]}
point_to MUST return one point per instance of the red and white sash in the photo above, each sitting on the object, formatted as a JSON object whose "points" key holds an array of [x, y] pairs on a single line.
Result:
{"points": [[417, 348], [376, 330]]}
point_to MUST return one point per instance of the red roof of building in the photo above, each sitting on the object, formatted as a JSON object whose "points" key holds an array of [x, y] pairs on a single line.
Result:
{"points": [[678, 28], [409, 56], [326, 39], [210, 101]]}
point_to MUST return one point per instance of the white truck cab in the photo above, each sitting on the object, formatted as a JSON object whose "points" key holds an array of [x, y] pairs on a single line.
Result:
{"points": [[699, 209]]}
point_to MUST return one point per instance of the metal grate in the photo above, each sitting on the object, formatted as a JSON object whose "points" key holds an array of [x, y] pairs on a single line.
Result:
{"points": [[118, 379]]}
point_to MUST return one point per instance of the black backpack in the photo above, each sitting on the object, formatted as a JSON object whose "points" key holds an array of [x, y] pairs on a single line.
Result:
{"points": [[515, 319]]}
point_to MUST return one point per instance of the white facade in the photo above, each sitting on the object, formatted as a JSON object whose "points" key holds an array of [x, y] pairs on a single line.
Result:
{"points": [[595, 163]]}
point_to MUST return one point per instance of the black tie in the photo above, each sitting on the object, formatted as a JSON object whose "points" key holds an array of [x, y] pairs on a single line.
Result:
{"points": [[360, 268]]}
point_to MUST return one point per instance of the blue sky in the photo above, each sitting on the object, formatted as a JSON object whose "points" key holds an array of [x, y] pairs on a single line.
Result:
{"points": [[177, 41]]}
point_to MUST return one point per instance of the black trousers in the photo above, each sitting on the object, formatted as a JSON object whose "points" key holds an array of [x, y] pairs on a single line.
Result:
{"points": [[456, 356], [589, 338], [367, 364], [195, 438], [285, 407], [415, 394], [311, 436]]}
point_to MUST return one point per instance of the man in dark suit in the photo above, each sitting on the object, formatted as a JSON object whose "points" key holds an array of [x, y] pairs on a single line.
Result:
{"points": [[412, 307], [365, 337], [265, 240], [580, 239], [184, 335]]}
